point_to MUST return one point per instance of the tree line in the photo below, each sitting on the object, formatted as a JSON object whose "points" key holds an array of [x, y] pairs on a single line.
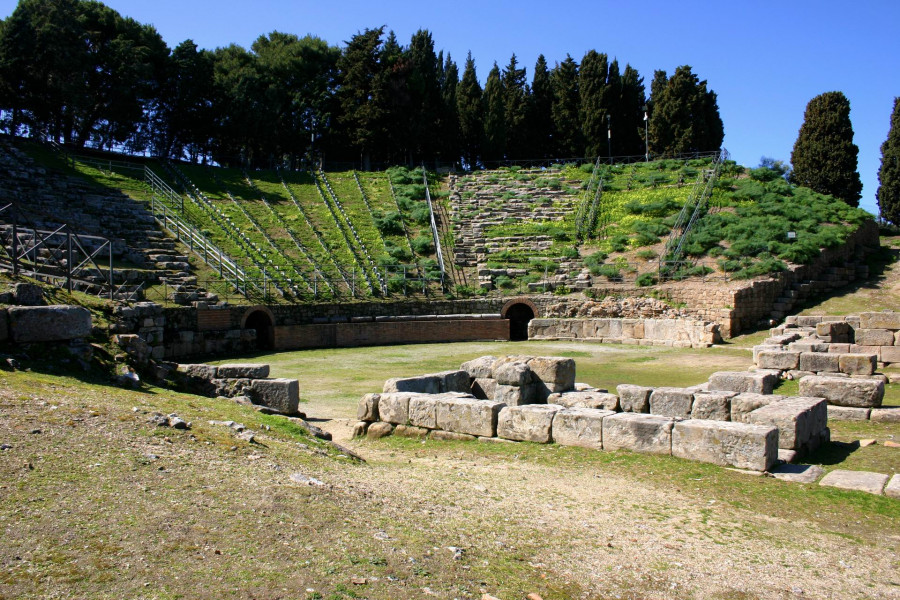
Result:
{"points": [[78, 72]]}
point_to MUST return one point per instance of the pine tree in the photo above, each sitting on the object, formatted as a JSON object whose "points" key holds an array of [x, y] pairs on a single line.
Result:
{"points": [[362, 93], [494, 118], [594, 107], [657, 88], [824, 156], [566, 101], [515, 106], [628, 139], [888, 193], [471, 114], [540, 115], [684, 115]]}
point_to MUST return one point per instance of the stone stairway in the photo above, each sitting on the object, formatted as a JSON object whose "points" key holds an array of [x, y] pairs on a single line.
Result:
{"points": [[833, 278]]}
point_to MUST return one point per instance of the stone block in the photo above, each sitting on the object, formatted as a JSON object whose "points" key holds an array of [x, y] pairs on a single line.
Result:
{"points": [[671, 402], [28, 294], [393, 407], [820, 362], [422, 384], [832, 329], [889, 354], [282, 395], [555, 370], [844, 391], [367, 409], [468, 415], [531, 423], [740, 445], [808, 346], [754, 382], [808, 321], [848, 413], [634, 398], [885, 415], [594, 399], [197, 371], [410, 431], [800, 421], [450, 436], [713, 406], [479, 368], [55, 323], [857, 364], [454, 381], [513, 374], [244, 371], [783, 361], [861, 481], [580, 427], [638, 432], [874, 337], [879, 320], [484, 388], [766, 348], [378, 430], [422, 409], [512, 395], [798, 473], [744, 404], [837, 348], [892, 489]]}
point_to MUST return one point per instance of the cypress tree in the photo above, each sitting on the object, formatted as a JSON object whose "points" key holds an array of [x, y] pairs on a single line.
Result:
{"points": [[494, 118], [594, 106], [540, 116], [888, 193], [684, 115], [566, 124], [657, 128], [449, 119], [628, 139], [824, 156], [515, 105], [471, 114]]}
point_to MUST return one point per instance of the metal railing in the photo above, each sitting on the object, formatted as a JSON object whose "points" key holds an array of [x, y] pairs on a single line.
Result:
{"points": [[434, 229]]}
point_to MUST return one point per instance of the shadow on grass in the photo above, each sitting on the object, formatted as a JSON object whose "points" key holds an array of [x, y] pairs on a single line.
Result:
{"points": [[834, 453]]}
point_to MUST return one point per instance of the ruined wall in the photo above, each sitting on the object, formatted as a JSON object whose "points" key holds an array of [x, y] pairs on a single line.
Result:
{"points": [[680, 333]]}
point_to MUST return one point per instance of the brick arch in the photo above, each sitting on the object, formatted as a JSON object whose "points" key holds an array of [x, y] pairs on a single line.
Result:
{"points": [[521, 300], [252, 309], [262, 320]]}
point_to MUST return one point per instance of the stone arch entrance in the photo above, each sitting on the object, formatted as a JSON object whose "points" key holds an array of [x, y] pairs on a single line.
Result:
{"points": [[261, 319], [520, 312]]}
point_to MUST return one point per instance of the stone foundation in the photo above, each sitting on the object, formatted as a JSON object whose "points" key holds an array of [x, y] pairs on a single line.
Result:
{"points": [[678, 332]]}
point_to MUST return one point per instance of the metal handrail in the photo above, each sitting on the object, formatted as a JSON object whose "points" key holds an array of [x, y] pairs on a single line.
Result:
{"points": [[434, 229]]}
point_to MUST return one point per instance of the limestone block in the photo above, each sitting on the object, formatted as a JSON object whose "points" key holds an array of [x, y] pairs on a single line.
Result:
{"points": [[468, 415], [713, 406], [513, 373], [410, 431], [861, 481], [450, 436], [198, 372], [890, 354], [740, 445], [754, 382], [393, 407], [638, 432], [554, 369], [744, 404], [281, 394], [832, 329], [422, 409], [885, 415], [879, 320], [244, 371], [836, 348], [359, 428], [580, 427], [48, 323], [379, 430], [874, 337], [799, 420], [820, 362], [479, 368], [808, 346], [512, 395], [783, 361], [857, 364], [848, 413], [367, 409], [765, 348], [595, 399], [454, 381], [671, 402], [634, 398], [28, 294], [844, 391], [422, 384], [808, 321], [892, 489], [484, 388], [532, 423]]}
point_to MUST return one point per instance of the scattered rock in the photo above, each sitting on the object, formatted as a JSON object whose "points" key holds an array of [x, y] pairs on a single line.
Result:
{"points": [[863, 481], [176, 422], [5, 447], [533, 596], [890, 444], [306, 480], [248, 437], [864, 443]]}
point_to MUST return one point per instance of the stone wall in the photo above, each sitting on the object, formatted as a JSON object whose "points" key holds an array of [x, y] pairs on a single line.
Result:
{"points": [[680, 333]]}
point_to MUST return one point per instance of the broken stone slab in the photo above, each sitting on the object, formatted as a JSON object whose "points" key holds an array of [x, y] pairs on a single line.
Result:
{"points": [[671, 402], [54, 323], [421, 384], [885, 415], [780, 360], [634, 398], [797, 473], [580, 427], [857, 364], [892, 489], [848, 413], [862, 481], [512, 395], [479, 368], [594, 399], [484, 388], [638, 432], [744, 404], [242, 371], [762, 381], [800, 421], [739, 445], [554, 370], [712, 406], [367, 409], [468, 415], [280, 394], [844, 391], [529, 423]]}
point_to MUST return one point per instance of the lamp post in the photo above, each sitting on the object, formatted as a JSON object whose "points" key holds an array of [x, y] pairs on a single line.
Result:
{"points": [[609, 138], [646, 136]]}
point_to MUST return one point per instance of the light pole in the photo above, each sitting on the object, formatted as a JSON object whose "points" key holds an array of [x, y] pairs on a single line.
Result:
{"points": [[646, 136], [609, 138]]}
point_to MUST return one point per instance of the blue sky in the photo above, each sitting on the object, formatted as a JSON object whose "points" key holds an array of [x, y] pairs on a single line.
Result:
{"points": [[764, 59]]}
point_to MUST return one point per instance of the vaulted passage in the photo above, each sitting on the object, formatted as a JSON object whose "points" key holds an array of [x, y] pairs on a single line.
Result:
{"points": [[519, 316], [265, 331]]}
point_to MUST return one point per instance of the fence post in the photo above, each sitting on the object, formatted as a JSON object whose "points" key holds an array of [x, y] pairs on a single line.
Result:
{"points": [[69, 260], [111, 290]]}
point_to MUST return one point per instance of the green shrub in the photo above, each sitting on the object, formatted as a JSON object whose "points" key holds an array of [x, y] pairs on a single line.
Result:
{"points": [[569, 252], [646, 279], [423, 245], [504, 282], [609, 271], [647, 254], [389, 223], [562, 290]]}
